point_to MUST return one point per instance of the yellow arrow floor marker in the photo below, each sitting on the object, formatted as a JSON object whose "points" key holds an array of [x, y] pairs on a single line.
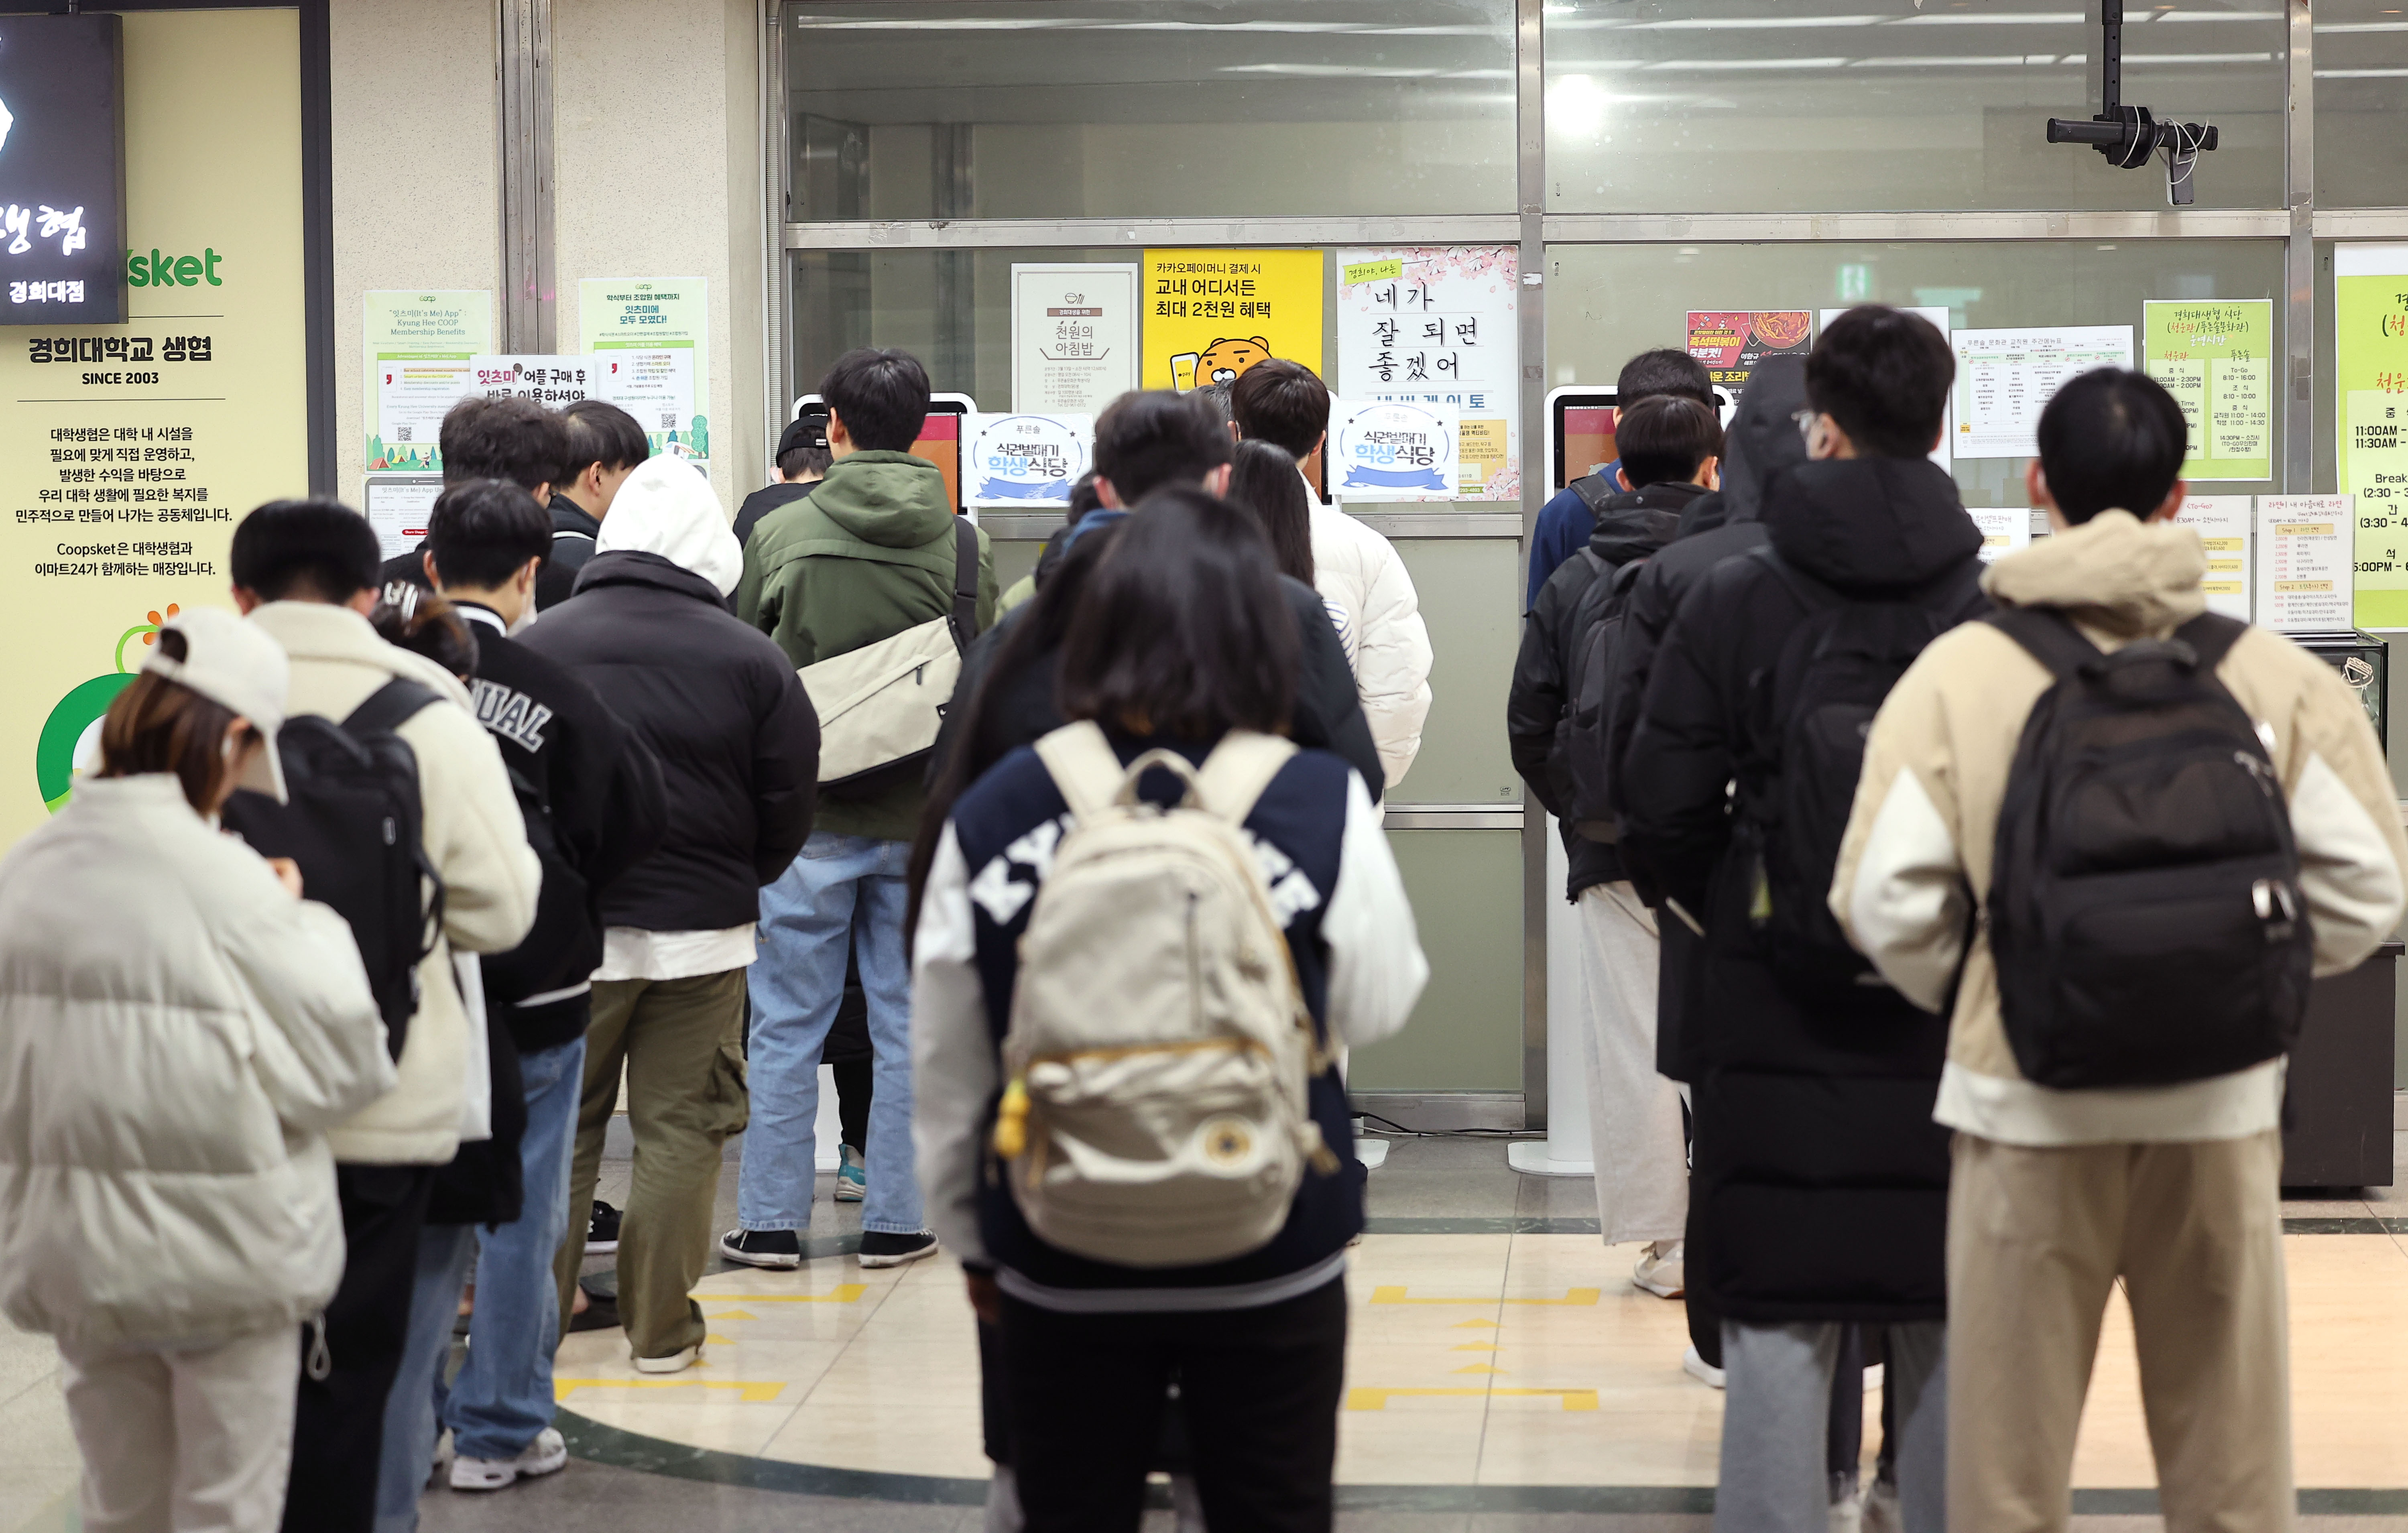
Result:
{"points": [[1475, 1346], [1395, 1294], [753, 1393], [1467, 1324], [1374, 1397], [1478, 1368], [844, 1293], [731, 1314]]}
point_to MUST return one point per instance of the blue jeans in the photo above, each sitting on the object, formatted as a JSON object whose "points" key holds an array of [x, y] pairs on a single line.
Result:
{"points": [[502, 1398], [844, 892], [407, 1449]]}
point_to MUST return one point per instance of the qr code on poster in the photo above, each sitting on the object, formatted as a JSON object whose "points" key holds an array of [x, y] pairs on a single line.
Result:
{"points": [[402, 433], [669, 419]]}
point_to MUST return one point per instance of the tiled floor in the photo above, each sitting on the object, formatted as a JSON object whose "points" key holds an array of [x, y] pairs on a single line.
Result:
{"points": [[1503, 1374]]}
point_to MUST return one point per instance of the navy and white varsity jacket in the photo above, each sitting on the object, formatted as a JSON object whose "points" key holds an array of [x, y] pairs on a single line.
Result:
{"points": [[1334, 884]]}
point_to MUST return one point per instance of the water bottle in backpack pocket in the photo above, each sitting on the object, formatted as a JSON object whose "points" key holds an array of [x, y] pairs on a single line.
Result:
{"points": [[1159, 1048], [2144, 912]]}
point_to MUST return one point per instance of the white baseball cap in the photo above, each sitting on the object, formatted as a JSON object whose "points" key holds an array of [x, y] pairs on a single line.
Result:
{"points": [[236, 665]]}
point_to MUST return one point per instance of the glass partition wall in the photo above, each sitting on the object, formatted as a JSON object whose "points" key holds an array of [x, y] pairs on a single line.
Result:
{"points": [[1646, 158]]}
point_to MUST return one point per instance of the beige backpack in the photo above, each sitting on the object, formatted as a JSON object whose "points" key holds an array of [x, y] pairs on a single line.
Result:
{"points": [[881, 705], [1159, 1048]]}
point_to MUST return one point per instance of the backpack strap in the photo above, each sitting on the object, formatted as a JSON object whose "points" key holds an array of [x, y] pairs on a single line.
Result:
{"points": [[1595, 490], [1238, 771], [1084, 766], [389, 706], [2048, 635], [1811, 594], [2210, 636], [966, 582]]}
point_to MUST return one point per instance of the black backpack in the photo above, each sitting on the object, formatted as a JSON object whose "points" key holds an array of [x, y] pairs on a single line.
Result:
{"points": [[2146, 912], [352, 820], [1813, 709], [1584, 772]]}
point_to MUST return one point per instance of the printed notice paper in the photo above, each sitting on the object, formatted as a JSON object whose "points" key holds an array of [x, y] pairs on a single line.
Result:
{"points": [[1436, 326], [2371, 366], [672, 403], [1073, 336], [2004, 530], [419, 347], [2004, 377], [2303, 548], [1404, 450], [1209, 315], [2226, 531], [2217, 359], [1026, 462]]}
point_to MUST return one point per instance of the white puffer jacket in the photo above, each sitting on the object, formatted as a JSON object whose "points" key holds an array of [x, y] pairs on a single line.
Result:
{"points": [[1385, 639], [177, 1032]]}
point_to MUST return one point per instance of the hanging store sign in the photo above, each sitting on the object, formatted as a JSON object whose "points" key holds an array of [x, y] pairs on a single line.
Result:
{"points": [[62, 235]]}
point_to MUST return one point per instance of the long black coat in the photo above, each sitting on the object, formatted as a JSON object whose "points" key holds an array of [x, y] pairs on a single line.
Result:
{"points": [[724, 712], [1821, 1184]]}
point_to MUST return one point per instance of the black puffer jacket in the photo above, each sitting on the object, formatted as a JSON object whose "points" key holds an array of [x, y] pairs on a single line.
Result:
{"points": [[717, 703], [1630, 527], [1820, 1188]]}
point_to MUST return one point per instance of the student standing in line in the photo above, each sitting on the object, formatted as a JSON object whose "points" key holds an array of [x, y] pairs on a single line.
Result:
{"points": [[873, 551], [2160, 1176], [305, 573], [603, 446], [1566, 520], [1821, 1180], [182, 1028], [803, 461], [1386, 641], [507, 438], [722, 711], [1671, 449], [1170, 649]]}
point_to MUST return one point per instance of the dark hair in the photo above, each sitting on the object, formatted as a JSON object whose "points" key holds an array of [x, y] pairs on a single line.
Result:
{"points": [[1662, 371], [424, 623], [600, 432], [1282, 403], [1182, 631], [2112, 440], [1157, 438], [1215, 398], [1082, 498], [804, 460], [1884, 377], [158, 725], [1666, 436], [305, 551], [507, 438], [1263, 483], [881, 397], [484, 532]]}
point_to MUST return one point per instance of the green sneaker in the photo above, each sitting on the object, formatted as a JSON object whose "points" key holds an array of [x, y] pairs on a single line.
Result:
{"points": [[852, 1175]]}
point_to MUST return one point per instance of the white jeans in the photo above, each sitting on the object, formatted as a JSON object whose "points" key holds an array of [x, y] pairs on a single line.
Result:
{"points": [[1642, 1174], [195, 1441]]}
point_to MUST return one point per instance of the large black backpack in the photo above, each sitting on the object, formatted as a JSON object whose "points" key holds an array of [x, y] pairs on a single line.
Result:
{"points": [[1584, 777], [2144, 912], [352, 820], [1811, 713]]}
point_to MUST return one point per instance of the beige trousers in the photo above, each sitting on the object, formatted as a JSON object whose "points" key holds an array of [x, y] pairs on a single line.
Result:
{"points": [[2036, 1239], [1634, 1114], [191, 1442]]}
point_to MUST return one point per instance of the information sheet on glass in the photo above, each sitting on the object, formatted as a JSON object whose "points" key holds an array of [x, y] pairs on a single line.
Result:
{"points": [[1209, 315], [2005, 530], [398, 505], [2004, 379], [2303, 548], [2370, 386], [1395, 451], [1074, 336], [420, 349], [2225, 530], [1026, 462], [1436, 325], [2216, 359], [671, 401]]}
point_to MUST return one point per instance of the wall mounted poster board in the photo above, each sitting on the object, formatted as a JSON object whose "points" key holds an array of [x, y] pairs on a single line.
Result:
{"points": [[2228, 532], [2303, 559], [1436, 325], [128, 450], [1209, 315], [2215, 357], [669, 397], [1025, 462], [2371, 390], [419, 347], [2004, 379], [1074, 336]]}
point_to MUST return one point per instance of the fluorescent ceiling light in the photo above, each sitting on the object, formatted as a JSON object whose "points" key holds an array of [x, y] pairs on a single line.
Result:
{"points": [[1378, 71]]}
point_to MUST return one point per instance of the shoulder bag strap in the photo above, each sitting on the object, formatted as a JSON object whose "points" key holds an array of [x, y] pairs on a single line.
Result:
{"points": [[1238, 771], [966, 582], [1083, 768], [1594, 490], [2048, 635]]}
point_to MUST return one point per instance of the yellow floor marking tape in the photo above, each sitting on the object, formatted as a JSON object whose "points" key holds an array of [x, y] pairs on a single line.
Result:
{"points": [[1468, 1324], [731, 1314], [844, 1293], [1374, 1397], [1475, 1346], [750, 1392], [1478, 1368], [1395, 1294]]}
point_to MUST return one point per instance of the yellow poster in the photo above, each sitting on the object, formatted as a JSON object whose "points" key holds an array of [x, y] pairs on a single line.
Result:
{"points": [[128, 451], [1209, 315]]}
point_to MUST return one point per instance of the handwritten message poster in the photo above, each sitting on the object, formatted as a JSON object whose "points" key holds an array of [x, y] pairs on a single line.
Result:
{"points": [[1434, 325], [2217, 359]]}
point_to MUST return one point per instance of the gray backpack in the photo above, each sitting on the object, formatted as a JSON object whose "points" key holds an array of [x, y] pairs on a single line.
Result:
{"points": [[1159, 1047]]}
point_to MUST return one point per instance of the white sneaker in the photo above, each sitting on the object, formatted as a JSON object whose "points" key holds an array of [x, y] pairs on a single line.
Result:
{"points": [[544, 1456], [443, 1455], [675, 1362], [1661, 1269], [1699, 1368], [1881, 1512], [1847, 1515]]}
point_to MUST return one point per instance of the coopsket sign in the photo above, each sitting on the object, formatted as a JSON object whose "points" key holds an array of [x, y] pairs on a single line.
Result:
{"points": [[1396, 451], [1025, 459], [62, 170]]}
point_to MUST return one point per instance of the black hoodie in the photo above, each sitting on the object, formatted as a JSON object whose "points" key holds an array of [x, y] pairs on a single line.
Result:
{"points": [[1820, 1187], [1630, 527]]}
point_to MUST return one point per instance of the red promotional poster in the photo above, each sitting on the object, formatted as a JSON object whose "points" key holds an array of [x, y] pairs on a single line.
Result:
{"points": [[1732, 343]]}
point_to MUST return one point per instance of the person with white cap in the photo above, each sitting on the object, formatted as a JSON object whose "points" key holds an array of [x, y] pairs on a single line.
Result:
{"points": [[737, 743], [181, 1029]]}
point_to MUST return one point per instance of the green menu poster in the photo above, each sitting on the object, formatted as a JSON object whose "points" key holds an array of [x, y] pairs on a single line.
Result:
{"points": [[667, 387], [2371, 389], [2215, 357]]}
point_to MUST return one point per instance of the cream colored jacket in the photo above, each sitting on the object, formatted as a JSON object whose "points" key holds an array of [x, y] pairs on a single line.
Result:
{"points": [[177, 1033], [473, 835], [1927, 813]]}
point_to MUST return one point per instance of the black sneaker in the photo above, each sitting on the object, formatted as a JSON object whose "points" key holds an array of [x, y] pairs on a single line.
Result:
{"points": [[602, 1233], [778, 1248], [601, 1311], [881, 1249]]}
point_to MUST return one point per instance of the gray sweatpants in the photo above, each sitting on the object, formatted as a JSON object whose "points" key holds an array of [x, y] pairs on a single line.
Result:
{"points": [[1776, 1411]]}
